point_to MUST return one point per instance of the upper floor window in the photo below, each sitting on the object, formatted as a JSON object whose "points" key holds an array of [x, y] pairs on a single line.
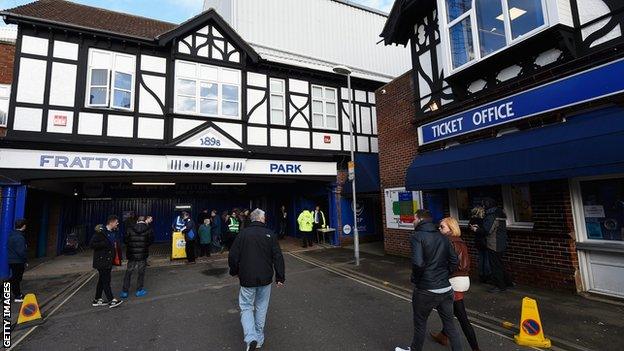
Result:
{"points": [[206, 90], [475, 29], [5, 92], [278, 115], [110, 80], [324, 107]]}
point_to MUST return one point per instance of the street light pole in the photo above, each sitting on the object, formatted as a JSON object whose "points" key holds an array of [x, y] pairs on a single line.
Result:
{"points": [[356, 236]]}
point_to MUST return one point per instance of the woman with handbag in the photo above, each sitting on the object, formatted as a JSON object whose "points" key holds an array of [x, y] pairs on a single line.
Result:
{"points": [[460, 282], [105, 252]]}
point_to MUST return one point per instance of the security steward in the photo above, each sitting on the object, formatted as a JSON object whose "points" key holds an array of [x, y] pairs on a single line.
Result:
{"points": [[305, 221], [233, 227]]}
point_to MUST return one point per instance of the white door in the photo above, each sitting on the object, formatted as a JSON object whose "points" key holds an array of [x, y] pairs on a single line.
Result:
{"points": [[598, 206]]}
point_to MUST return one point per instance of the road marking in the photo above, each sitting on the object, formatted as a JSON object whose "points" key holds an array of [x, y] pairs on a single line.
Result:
{"points": [[51, 312], [335, 271]]}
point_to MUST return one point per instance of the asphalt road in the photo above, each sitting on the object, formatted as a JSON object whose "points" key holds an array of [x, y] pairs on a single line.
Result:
{"points": [[196, 308]]}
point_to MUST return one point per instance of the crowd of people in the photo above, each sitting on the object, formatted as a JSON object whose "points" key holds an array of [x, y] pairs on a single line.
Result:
{"points": [[440, 262]]}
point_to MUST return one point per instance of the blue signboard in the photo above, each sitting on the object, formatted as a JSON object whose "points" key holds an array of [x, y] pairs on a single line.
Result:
{"points": [[585, 86]]}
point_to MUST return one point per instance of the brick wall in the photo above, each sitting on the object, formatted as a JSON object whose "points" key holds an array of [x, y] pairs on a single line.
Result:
{"points": [[7, 54], [397, 147], [544, 256]]}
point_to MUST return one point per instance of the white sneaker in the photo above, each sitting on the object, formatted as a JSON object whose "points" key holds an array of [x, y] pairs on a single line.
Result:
{"points": [[98, 303], [400, 349], [114, 303]]}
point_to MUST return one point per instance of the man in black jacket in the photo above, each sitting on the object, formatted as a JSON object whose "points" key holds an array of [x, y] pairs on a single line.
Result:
{"points": [[254, 257], [103, 245], [138, 240], [433, 261]]}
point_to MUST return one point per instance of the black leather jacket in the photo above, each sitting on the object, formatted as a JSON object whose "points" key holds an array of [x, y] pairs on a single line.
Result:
{"points": [[139, 238], [433, 258]]}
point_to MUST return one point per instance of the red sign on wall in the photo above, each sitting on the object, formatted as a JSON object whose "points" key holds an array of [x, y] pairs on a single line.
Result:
{"points": [[327, 139], [60, 120]]}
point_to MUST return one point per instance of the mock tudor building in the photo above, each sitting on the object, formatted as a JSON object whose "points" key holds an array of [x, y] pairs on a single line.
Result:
{"points": [[114, 113], [519, 101]]}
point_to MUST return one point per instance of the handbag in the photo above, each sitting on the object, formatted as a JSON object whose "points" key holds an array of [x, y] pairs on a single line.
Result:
{"points": [[117, 257], [191, 234]]}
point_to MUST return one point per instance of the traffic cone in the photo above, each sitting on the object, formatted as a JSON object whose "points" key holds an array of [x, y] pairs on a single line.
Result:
{"points": [[531, 331], [29, 312]]}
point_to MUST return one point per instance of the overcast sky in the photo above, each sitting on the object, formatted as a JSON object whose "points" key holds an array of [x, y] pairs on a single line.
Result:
{"points": [[176, 11]]}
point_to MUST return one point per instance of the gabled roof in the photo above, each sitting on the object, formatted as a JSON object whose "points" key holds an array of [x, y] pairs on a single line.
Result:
{"points": [[400, 24], [70, 14], [200, 20]]}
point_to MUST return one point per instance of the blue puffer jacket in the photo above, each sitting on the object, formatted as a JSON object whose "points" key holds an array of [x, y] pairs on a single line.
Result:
{"points": [[16, 247]]}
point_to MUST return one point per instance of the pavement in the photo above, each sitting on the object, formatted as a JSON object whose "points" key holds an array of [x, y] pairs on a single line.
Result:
{"points": [[327, 304], [571, 320]]}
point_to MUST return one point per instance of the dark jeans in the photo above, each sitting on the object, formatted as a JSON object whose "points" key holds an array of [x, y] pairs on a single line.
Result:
{"points": [[216, 243], [283, 230], [138, 266], [104, 284], [17, 272], [228, 240], [306, 238], [204, 250], [485, 272], [500, 277], [460, 312], [423, 302], [190, 251]]}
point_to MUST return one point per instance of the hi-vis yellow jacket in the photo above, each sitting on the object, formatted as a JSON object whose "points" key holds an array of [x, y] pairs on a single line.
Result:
{"points": [[305, 221]]}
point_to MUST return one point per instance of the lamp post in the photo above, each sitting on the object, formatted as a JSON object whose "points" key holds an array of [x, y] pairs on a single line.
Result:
{"points": [[356, 237]]}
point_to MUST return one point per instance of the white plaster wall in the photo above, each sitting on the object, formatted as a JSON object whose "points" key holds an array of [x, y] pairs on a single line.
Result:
{"points": [[31, 81], [28, 119], [279, 137], [63, 84], [257, 136], [90, 123], [65, 50], [151, 128], [120, 126], [34, 45]]}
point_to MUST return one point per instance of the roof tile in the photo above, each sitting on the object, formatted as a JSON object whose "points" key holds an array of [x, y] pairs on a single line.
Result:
{"points": [[92, 17]]}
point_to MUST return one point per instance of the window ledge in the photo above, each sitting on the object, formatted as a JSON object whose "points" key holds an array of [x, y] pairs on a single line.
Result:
{"points": [[558, 35], [601, 246]]}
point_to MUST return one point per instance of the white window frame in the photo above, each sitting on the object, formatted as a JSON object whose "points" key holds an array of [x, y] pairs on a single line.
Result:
{"points": [[324, 100], [5, 97], [110, 80], [281, 94], [198, 98], [445, 26], [507, 207]]}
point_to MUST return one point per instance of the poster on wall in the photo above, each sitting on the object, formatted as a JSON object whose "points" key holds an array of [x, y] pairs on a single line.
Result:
{"points": [[400, 207]]}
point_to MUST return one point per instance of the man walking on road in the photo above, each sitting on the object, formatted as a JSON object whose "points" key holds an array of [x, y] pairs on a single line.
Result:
{"points": [[433, 261], [255, 256], [140, 237]]}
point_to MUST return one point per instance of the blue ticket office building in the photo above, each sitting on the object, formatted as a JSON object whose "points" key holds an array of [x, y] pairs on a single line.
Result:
{"points": [[525, 107]]}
